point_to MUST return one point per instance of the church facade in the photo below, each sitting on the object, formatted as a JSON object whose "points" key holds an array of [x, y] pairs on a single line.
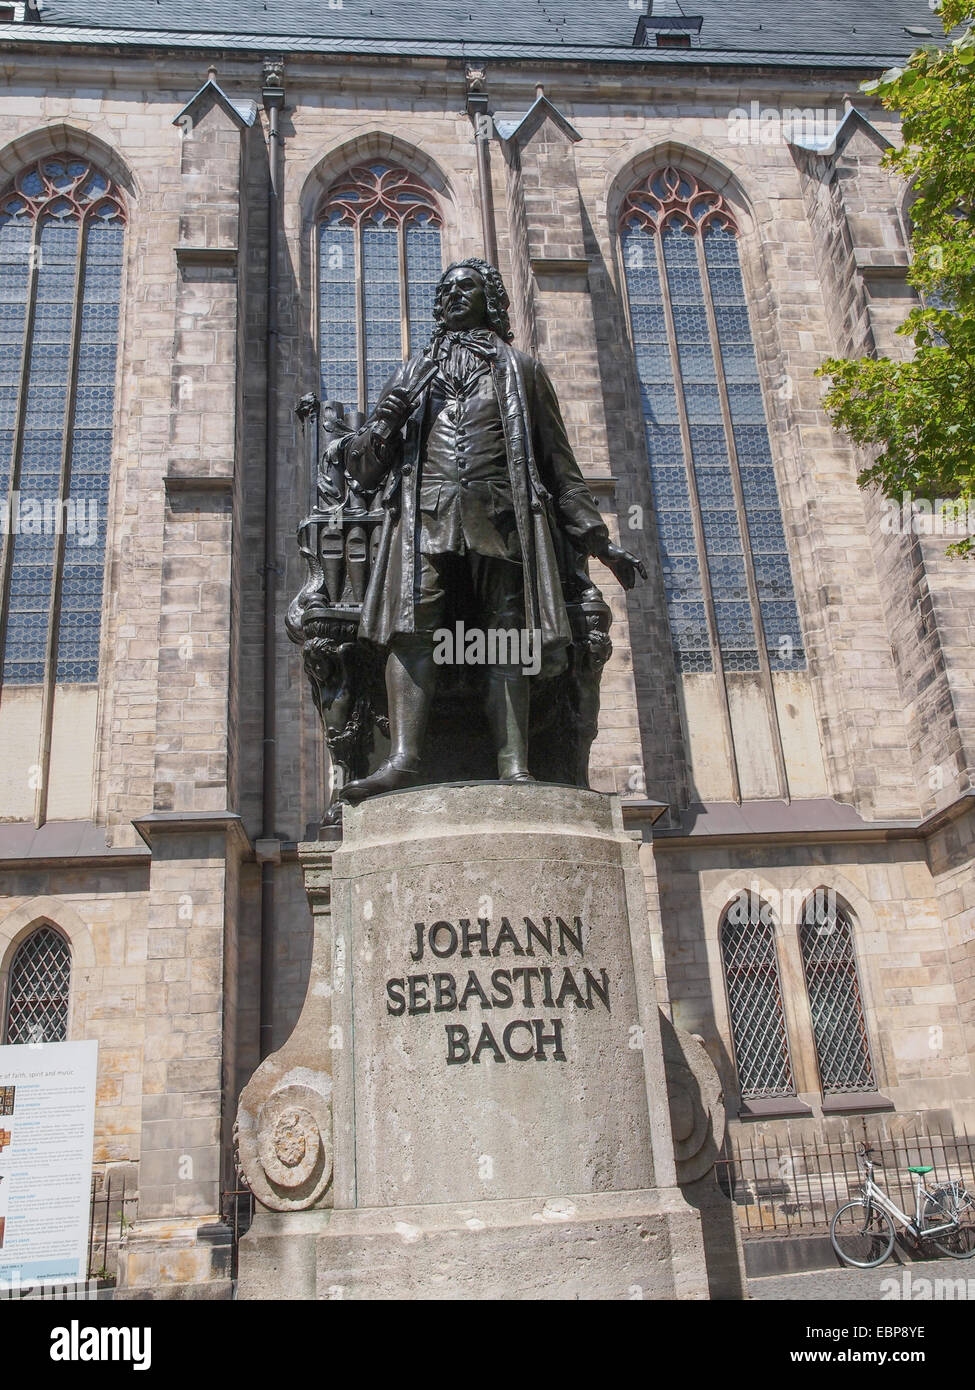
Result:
{"points": [[690, 215]]}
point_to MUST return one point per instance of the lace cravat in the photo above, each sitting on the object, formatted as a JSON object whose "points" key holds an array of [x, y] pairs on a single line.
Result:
{"points": [[463, 356]]}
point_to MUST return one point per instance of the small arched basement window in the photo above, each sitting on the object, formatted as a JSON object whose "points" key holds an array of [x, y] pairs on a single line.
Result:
{"points": [[37, 995]]}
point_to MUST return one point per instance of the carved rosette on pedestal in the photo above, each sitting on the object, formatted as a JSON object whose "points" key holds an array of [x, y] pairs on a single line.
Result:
{"points": [[285, 1156]]}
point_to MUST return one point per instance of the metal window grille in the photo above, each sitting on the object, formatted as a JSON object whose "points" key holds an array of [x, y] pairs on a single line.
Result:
{"points": [[379, 258], [833, 985], [751, 969], [61, 231], [726, 567], [40, 978]]}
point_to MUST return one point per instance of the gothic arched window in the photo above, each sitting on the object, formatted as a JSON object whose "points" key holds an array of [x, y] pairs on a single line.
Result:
{"points": [[726, 568], [379, 261], [37, 996], [833, 985], [751, 970], [61, 231]]}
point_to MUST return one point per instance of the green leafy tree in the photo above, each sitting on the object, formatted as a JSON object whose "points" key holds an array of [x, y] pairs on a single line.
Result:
{"points": [[920, 414]]}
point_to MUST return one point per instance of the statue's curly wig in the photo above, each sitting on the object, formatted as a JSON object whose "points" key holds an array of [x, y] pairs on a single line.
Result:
{"points": [[494, 292]]}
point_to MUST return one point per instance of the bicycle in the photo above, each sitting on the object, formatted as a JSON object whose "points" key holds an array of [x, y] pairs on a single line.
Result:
{"points": [[862, 1230]]}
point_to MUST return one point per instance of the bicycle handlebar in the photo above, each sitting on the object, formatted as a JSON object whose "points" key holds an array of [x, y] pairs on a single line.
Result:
{"points": [[863, 1157]]}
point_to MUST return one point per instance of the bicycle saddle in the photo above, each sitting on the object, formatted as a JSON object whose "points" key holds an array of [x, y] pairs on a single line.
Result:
{"points": [[922, 1171]]}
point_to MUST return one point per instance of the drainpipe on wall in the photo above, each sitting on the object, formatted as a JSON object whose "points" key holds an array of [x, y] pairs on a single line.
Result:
{"points": [[269, 854], [477, 109]]}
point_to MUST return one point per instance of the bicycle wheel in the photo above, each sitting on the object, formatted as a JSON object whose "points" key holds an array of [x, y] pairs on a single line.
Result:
{"points": [[947, 1204], [862, 1236]]}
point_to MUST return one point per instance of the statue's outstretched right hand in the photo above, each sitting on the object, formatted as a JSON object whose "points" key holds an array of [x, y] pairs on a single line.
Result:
{"points": [[624, 566]]}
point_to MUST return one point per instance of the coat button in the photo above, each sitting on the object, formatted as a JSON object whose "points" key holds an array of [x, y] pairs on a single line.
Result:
{"points": [[406, 470], [536, 508]]}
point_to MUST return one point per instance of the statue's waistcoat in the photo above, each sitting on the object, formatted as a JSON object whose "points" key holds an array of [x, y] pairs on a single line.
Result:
{"points": [[464, 495]]}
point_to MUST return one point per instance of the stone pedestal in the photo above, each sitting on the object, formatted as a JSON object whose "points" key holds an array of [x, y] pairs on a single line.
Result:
{"points": [[481, 1027]]}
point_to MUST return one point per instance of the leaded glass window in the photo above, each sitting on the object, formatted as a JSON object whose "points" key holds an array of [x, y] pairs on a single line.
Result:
{"points": [[751, 968], [61, 233], [379, 261], [37, 996], [833, 985], [726, 567]]}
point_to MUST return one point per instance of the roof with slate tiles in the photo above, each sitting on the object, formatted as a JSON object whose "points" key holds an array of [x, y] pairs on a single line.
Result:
{"points": [[860, 33]]}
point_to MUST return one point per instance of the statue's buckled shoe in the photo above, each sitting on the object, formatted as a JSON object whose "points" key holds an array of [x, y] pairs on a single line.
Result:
{"points": [[512, 769], [393, 776]]}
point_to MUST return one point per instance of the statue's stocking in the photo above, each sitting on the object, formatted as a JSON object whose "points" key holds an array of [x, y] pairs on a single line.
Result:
{"points": [[507, 705]]}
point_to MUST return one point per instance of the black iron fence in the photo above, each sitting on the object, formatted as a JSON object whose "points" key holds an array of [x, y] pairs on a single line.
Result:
{"points": [[237, 1209], [794, 1187], [112, 1209]]}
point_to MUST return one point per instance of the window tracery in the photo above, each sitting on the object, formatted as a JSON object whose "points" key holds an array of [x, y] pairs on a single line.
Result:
{"points": [[379, 259]]}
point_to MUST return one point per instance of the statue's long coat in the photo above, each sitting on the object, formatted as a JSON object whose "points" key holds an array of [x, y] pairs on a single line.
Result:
{"points": [[549, 492]]}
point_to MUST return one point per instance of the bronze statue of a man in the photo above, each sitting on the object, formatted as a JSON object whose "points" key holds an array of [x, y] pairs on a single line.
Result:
{"points": [[481, 492]]}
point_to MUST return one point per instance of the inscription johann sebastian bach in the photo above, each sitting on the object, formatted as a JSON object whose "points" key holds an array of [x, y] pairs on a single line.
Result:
{"points": [[537, 987]]}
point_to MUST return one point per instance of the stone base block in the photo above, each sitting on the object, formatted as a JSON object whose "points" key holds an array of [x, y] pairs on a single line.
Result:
{"points": [[624, 1245], [176, 1259], [277, 1256]]}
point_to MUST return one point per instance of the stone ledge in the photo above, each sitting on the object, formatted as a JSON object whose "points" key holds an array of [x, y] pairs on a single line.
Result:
{"points": [[198, 482], [774, 1108], [192, 823], [799, 821], [871, 260], [552, 265], [213, 1291], [206, 255], [535, 807], [600, 482], [859, 1103], [57, 842]]}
